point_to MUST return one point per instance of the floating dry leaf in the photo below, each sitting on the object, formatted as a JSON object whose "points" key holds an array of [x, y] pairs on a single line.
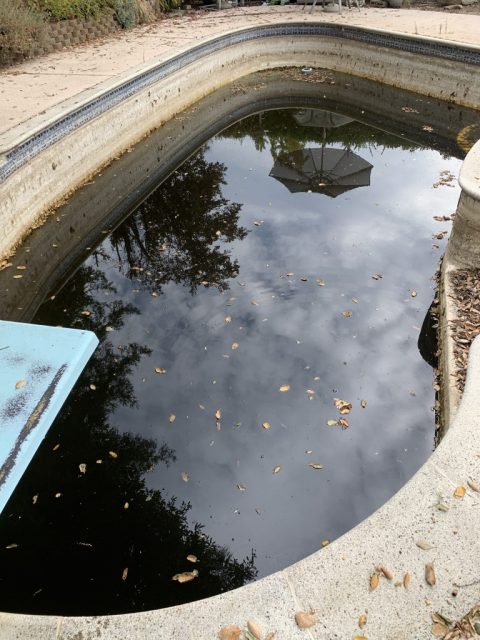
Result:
{"points": [[192, 558], [241, 487], [430, 574], [266, 425], [85, 312], [56, 447], [21, 267], [423, 544], [235, 346], [344, 423], [82, 467], [21, 383], [125, 574], [343, 406], [459, 492], [362, 621], [35, 498], [374, 581], [406, 580], [320, 282], [17, 277], [126, 505], [315, 465], [413, 293], [160, 370], [228, 319], [232, 632], [277, 469], [186, 576], [304, 279], [255, 629], [172, 417], [185, 476], [113, 455], [254, 302], [13, 545], [93, 387], [441, 625], [332, 423], [218, 414], [305, 620], [310, 392], [284, 387], [325, 543], [474, 486], [377, 276], [363, 403], [347, 314]]}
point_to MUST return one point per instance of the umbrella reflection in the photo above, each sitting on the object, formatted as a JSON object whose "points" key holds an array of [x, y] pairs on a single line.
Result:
{"points": [[323, 170]]}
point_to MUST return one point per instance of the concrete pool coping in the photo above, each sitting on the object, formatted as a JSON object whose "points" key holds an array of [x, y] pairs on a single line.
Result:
{"points": [[335, 581]]}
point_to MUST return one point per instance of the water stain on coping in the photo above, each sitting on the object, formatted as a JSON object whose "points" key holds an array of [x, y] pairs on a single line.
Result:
{"points": [[31, 423]]}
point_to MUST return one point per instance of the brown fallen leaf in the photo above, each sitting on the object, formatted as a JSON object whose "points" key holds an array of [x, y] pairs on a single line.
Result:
{"points": [[413, 293], [441, 625], [363, 403], [315, 465], [21, 383], [35, 499], [235, 346], [113, 455], [241, 487], [325, 543], [406, 580], [186, 576], [459, 492], [270, 636], [360, 638], [320, 282], [377, 276], [385, 572], [347, 314], [310, 392], [344, 423], [305, 620], [172, 417], [185, 476], [82, 467], [13, 545], [93, 387], [160, 370], [424, 545], [374, 581], [266, 425], [228, 319], [430, 574], [277, 469], [126, 505], [218, 414], [192, 558], [332, 423], [255, 629], [232, 632], [362, 621], [474, 486], [125, 574], [284, 387]]}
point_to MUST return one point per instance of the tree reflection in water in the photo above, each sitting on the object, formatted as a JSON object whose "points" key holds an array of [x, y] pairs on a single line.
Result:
{"points": [[174, 235], [94, 539]]}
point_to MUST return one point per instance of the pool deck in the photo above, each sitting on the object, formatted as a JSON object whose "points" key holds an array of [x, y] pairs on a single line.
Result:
{"points": [[28, 89], [430, 525]]}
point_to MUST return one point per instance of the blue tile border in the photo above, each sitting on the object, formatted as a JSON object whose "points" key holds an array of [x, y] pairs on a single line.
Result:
{"points": [[27, 150]]}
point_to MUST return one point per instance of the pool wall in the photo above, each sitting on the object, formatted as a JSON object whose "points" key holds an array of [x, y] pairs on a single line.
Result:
{"points": [[334, 581], [47, 158]]}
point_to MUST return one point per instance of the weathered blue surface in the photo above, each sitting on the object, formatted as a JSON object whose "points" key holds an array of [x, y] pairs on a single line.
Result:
{"points": [[38, 367]]}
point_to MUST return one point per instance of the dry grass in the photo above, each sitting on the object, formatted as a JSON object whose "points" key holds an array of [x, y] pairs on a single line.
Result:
{"points": [[20, 27]]}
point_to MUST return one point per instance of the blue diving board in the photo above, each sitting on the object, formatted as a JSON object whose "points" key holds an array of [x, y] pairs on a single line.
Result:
{"points": [[38, 367]]}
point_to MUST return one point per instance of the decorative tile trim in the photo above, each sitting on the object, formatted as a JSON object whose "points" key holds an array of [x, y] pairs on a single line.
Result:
{"points": [[27, 150]]}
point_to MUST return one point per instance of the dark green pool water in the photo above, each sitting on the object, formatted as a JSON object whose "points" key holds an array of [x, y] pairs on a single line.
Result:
{"points": [[226, 285]]}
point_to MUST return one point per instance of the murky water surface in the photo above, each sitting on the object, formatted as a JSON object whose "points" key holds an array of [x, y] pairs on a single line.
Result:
{"points": [[285, 265]]}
